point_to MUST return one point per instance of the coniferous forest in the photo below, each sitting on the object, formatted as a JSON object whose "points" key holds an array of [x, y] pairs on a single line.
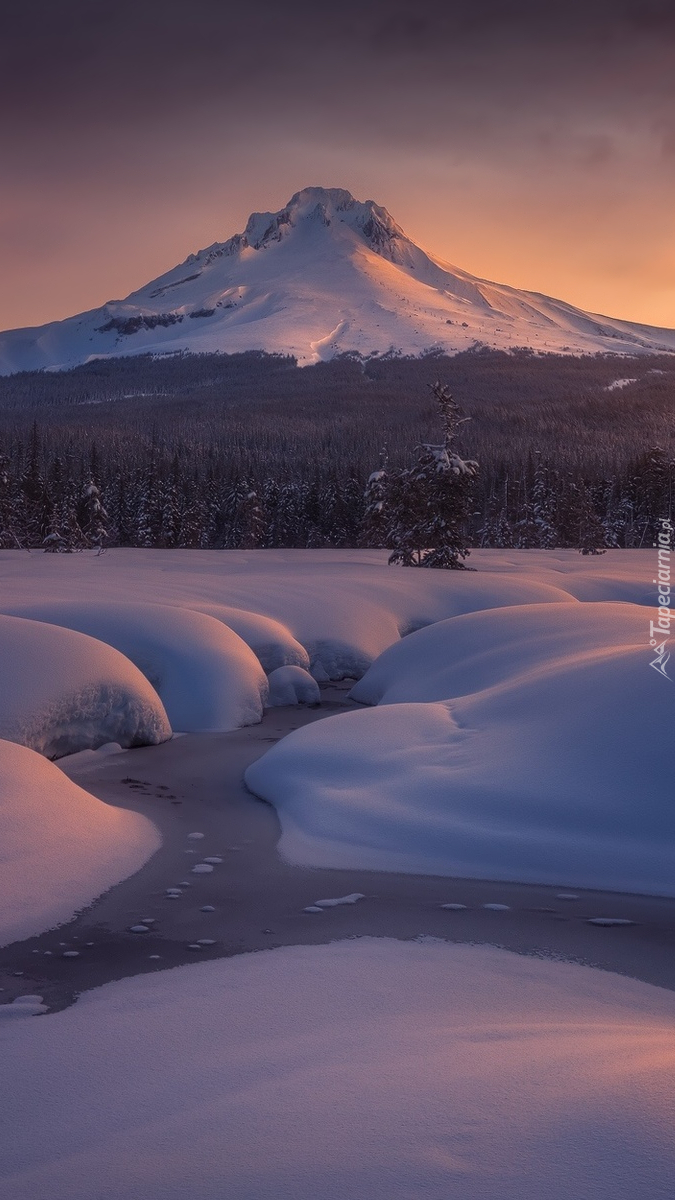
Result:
{"points": [[248, 450]]}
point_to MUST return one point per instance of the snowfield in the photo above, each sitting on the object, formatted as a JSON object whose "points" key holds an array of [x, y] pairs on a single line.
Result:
{"points": [[60, 847], [205, 675], [370, 1068], [325, 275], [518, 733], [63, 692], [334, 610]]}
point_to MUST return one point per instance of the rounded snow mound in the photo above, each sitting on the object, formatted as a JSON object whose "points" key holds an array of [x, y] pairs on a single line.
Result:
{"points": [[371, 1068], [557, 769], [292, 685], [60, 847], [63, 692], [478, 650], [206, 676], [271, 642]]}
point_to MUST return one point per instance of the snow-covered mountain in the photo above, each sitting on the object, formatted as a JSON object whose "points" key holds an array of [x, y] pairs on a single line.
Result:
{"points": [[325, 275]]}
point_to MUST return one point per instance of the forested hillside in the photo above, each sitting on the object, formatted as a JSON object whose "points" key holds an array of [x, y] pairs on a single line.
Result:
{"points": [[249, 449]]}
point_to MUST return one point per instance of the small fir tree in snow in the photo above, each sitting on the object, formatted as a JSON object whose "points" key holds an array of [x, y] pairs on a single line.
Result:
{"points": [[374, 529], [92, 516], [428, 505]]}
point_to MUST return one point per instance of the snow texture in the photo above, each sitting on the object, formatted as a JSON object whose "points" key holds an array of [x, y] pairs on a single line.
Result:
{"points": [[208, 679], [60, 847], [341, 608], [325, 275], [519, 743], [367, 1068], [63, 692], [292, 685]]}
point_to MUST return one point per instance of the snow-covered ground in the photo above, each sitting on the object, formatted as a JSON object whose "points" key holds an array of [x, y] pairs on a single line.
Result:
{"points": [[372, 1068], [325, 275], [510, 729], [60, 847], [344, 607], [519, 732]]}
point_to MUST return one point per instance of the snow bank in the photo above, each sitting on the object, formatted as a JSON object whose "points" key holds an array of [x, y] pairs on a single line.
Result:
{"points": [[292, 685], [63, 692], [368, 1068], [479, 650], [60, 847], [557, 769], [271, 642], [207, 677]]}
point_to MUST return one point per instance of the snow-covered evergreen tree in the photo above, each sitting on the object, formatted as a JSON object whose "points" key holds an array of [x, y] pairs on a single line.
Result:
{"points": [[543, 506], [92, 516], [246, 518], [374, 526], [429, 504]]}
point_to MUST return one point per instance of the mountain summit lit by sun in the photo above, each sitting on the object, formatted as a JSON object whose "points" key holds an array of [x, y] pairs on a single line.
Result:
{"points": [[325, 275]]}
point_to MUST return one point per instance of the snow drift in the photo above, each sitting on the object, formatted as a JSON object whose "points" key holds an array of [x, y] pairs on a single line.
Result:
{"points": [[60, 847], [476, 651], [206, 676], [63, 691], [292, 685], [554, 769], [271, 642], [367, 1068]]}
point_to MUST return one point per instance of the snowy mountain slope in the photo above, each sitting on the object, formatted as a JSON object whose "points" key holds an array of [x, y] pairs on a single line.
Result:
{"points": [[325, 275]]}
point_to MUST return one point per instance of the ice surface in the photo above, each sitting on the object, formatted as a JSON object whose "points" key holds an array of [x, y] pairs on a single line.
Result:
{"points": [[60, 847], [366, 1068]]}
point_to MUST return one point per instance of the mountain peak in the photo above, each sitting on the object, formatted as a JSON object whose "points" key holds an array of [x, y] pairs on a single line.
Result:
{"points": [[318, 206], [325, 275]]}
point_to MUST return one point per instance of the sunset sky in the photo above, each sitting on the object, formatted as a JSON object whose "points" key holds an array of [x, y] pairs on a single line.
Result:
{"points": [[531, 143]]}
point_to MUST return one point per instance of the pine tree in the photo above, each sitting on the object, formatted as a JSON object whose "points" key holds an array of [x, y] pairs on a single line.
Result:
{"points": [[374, 524], [92, 516], [246, 519], [428, 506], [542, 506], [591, 533]]}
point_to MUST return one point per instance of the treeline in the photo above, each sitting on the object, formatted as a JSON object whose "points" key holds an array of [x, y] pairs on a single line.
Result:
{"points": [[261, 413], [65, 502], [250, 449]]}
